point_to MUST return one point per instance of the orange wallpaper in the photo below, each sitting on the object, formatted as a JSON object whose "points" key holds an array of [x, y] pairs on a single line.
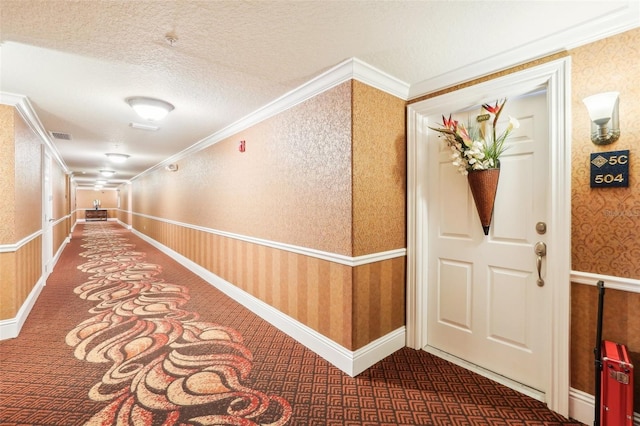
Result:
{"points": [[7, 175], [84, 198], [327, 174], [292, 185], [605, 222], [351, 306], [379, 171], [28, 170], [7, 285], [19, 272]]}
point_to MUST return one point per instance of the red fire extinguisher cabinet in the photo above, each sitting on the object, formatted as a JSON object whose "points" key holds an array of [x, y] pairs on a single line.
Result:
{"points": [[617, 386]]}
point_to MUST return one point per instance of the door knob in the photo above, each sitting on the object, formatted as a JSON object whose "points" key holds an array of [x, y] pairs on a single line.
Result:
{"points": [[541, 251]]}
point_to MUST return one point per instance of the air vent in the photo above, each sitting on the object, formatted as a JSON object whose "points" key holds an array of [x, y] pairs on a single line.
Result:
{"points": [[61, 136]]}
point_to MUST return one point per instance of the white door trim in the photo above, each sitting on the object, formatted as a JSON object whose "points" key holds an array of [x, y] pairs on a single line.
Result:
{"points": [[47, 214], [555, 76]]}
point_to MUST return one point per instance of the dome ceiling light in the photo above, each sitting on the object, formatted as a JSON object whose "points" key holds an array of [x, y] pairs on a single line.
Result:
{"points": [[107, 173], [116, 157], [149, 108]]}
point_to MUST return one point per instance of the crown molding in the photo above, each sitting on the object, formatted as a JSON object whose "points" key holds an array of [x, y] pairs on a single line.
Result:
{"points": [[351, 69], [622, 19], [25, 109]]}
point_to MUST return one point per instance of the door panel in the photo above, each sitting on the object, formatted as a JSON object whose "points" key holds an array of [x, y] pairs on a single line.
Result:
{"points": [[484, 305]]}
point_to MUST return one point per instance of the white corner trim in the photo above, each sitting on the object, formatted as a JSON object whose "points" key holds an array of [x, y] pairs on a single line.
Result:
{"points": [[378, 79], [617, 283], [22, 104], [349, 69], [324, 255], [10, 328], [352, 363]]}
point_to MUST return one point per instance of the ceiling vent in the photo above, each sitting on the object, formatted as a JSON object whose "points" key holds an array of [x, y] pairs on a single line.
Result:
{"points": [[61, 136]]}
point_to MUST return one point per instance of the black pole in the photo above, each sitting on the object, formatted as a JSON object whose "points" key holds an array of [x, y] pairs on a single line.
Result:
{"points": [[598, 356]]}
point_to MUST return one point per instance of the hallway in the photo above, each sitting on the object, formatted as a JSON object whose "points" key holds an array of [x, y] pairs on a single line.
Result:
{"points": [[155, 344]]}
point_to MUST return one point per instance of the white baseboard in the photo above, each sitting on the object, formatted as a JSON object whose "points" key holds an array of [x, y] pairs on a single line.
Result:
{"points": [[124, 225], [582, 408], [10, 328], [350, 362]]}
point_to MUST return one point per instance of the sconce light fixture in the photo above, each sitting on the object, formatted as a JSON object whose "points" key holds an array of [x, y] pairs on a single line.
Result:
{"points": [[149, 108], [116, 157], [603, 111], [107, 173]]}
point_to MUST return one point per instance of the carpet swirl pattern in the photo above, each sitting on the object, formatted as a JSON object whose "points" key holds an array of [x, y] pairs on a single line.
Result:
{"points": [[163, 364]]}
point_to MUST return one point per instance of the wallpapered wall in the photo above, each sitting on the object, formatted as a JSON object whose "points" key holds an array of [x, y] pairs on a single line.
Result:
{"points": [[28, 194], [7, 175], [291, 185], [84, 200], [20, 210], [327, 174], [605, 222]]}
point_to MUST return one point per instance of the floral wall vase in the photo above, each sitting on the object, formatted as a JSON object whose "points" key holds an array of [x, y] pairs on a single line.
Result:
{"points": [[484, 186]]}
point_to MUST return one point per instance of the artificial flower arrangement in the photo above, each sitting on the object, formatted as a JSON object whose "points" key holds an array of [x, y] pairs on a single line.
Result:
{"points": [[477, 147]]}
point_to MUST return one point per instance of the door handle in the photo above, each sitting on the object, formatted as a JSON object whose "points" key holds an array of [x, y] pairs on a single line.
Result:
{"points": [[541, 251]]}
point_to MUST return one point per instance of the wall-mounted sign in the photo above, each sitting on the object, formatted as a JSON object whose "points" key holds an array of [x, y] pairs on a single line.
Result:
{"points": [[609, 169]]}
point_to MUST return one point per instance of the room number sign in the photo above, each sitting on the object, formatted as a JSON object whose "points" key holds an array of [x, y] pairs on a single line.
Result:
{"points": [[610, 169]]}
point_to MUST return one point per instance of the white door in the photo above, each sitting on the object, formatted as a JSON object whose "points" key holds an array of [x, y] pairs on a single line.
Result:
{"points": [[47, 217], [484, 302]]}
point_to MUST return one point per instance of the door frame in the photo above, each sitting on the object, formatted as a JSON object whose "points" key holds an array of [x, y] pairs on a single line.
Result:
{"points": [[555, 76], [47, 213]]}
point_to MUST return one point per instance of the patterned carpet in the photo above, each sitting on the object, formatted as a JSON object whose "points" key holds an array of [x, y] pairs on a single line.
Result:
{"points": [[122, 334]]}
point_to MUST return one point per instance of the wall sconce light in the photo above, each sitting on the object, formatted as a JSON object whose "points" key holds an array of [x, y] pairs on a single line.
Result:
{"points": [[117, 158], [107, 173], [149, 108], [242, 147], [603, 111]]}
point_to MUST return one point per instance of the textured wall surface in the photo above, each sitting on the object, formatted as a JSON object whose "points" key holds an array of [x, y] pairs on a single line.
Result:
{"points": [[379, 171], [21, 194], [291, 185], [28, 170], [605, 222], [84, 198], [7, 175], [308, 174]]}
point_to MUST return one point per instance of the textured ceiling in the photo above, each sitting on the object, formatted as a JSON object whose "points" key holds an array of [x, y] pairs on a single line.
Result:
{"points": [[77, 61]]}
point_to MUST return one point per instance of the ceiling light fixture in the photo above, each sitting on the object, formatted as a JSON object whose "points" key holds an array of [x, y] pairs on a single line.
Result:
{"points": [[142, 126], [149, 108], [107, 173], [116, 157]]}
